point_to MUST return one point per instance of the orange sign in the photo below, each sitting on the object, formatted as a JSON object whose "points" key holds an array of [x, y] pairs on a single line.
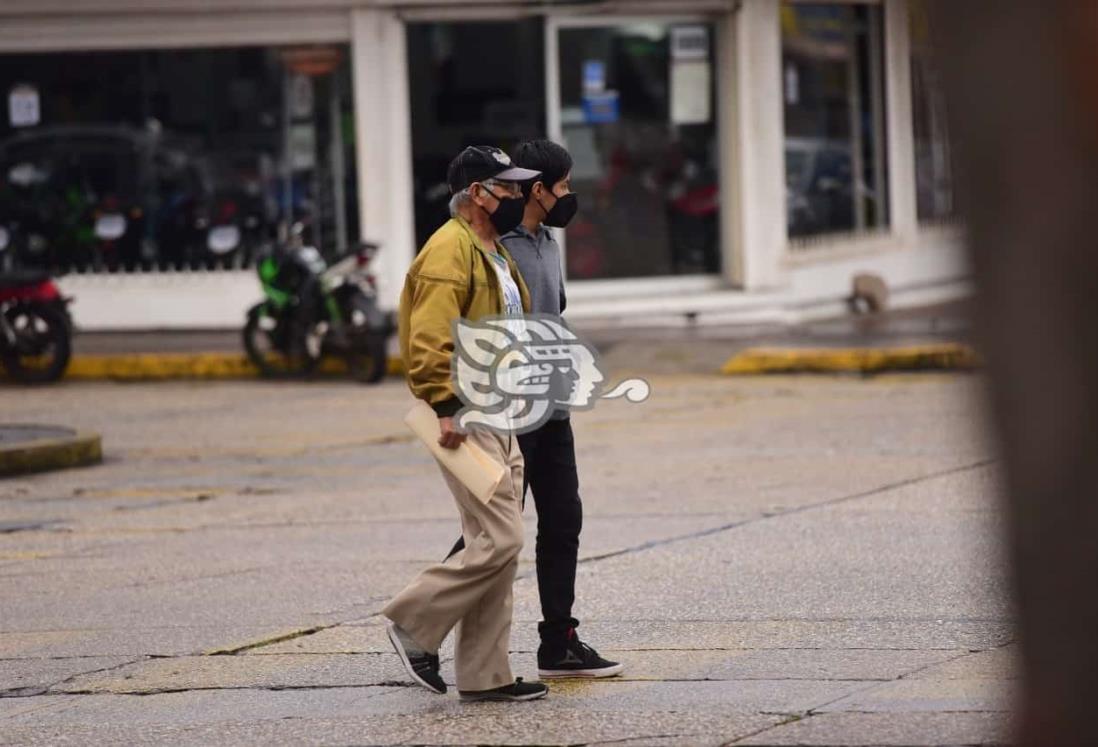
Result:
{"points": [[312, 60]]}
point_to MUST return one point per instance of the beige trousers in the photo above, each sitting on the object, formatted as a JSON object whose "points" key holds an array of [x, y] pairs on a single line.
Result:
{"points": [[472, 589]]}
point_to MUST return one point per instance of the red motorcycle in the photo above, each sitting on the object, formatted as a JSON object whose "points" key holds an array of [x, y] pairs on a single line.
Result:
{"points": [[35, 328]]}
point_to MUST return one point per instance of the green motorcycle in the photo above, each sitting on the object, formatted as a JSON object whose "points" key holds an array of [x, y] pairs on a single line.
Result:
{"points": [[312, 310]]}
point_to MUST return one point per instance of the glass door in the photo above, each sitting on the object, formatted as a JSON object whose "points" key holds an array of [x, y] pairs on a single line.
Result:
{"points": [[633, 101]]}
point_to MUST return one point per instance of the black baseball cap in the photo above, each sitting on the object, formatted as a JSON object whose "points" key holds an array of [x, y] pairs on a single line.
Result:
{"points": [[478, 163]]}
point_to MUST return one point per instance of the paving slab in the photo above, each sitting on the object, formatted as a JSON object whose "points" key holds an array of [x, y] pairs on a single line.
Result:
{"points": [[206, 706], [282, 671], [887, 729], [674, 635], [132, 642], [816, 564], [827, 664], [18, 675], [1000, 663], [341, 639], [742, 696], [12, 707], [211, 706], [483, 724], [929, 695], [969, 491], [792, 633], [383, 668]]}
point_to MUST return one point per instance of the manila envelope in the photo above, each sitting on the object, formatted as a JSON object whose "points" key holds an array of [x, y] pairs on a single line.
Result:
{"points": [[469, 463]]}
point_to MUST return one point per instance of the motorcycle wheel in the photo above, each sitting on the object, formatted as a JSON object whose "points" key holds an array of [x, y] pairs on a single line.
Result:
{"points": [[42, 347], [278, 351], [368, 358]]}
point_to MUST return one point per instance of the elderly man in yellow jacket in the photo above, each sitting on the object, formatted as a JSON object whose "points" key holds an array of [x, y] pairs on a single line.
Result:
{"points": [[464, 271]]}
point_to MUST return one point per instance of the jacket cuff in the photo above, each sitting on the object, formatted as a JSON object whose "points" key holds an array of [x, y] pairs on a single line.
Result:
{"points": [[447, 408]]}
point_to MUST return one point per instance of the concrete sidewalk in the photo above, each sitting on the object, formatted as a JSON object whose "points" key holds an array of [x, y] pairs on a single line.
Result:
{"points": [[778, 561]]}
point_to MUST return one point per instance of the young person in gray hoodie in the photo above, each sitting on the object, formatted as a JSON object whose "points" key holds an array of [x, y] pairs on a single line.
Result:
{"points": [[549, 451]]}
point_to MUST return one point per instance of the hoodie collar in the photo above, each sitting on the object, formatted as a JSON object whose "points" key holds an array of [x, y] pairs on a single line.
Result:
{"points": [[520, 230]]}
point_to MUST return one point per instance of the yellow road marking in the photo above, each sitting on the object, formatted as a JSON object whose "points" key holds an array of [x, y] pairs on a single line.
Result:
{"points": [[945, 356]]}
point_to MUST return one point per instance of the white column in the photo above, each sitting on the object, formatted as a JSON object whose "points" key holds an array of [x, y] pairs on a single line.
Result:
{"points": [[752, 146], [901, 128], [383, 139]]}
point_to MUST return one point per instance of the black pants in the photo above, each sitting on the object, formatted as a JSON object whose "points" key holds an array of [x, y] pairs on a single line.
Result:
{"points": [[550, 456]]}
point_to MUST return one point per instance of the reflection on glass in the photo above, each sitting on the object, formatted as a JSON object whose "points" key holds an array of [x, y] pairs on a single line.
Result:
{"points": [[637, 115], [176, 159], [833, 90], [933, 172], [460, 96]]}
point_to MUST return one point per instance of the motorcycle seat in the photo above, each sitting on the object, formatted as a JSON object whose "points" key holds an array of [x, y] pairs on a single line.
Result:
{"points": [[21, 278]]}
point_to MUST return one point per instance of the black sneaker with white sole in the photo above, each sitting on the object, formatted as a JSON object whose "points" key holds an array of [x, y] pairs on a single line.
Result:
{"points": [[421, 666], [576, 659], [517, 690]]}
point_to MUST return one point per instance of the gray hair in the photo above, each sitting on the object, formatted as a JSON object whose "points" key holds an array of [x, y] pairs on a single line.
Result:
{"points": [[460, 199]]}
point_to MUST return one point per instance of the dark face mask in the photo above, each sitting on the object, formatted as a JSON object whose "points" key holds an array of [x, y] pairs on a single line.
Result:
{"points": [[562, 212], [508, 214]]}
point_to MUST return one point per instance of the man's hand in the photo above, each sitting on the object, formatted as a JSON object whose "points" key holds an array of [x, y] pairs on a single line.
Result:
{"points": [[450, 439]]}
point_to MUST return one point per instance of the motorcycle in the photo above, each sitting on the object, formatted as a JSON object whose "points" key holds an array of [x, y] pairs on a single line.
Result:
{"points": [[235, 231], [35, 328], [23, 239], [117, 234], [312, 309]]}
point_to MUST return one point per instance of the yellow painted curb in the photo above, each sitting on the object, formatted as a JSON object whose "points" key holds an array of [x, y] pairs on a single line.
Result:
{"points": [[166, 366], [77, 450], [939, 357]]}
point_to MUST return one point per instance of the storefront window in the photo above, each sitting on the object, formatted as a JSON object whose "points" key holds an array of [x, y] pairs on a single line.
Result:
{"points": [[174, 159], [462, 96], [933, 171], [638, 115], [833, 89]]}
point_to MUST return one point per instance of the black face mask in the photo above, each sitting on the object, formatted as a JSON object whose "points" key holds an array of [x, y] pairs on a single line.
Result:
{"points": [[508, 214], [563, 212]]}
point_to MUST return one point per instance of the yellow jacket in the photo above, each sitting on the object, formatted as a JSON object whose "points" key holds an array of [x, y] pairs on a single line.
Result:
{"points": [[450, 278]]}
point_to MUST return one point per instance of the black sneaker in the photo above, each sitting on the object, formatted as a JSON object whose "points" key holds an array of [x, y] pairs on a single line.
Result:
{"points": [[517, 690], [577, 660], [420, 665]]}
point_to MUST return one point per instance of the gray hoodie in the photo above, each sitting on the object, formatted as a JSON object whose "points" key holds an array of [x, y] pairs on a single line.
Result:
{"points": [[538, 258]]}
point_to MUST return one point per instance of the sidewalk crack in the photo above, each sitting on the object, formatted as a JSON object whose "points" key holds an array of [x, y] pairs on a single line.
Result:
{"points": [[776, 514], [28, 692]]}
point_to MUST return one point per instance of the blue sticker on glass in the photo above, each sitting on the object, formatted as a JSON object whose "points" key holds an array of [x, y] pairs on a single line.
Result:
{"points": [[594, 76], [601, 108]]}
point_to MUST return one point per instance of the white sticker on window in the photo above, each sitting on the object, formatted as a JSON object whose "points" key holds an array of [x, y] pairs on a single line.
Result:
{"points": [[24, 106]]}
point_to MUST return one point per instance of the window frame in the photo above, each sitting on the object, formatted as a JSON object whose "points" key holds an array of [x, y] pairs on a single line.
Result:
{"points": [[904, 231]]}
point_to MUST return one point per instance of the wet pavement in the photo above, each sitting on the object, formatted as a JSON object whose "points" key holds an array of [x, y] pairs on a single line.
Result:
{"points": [[788, 560]]}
